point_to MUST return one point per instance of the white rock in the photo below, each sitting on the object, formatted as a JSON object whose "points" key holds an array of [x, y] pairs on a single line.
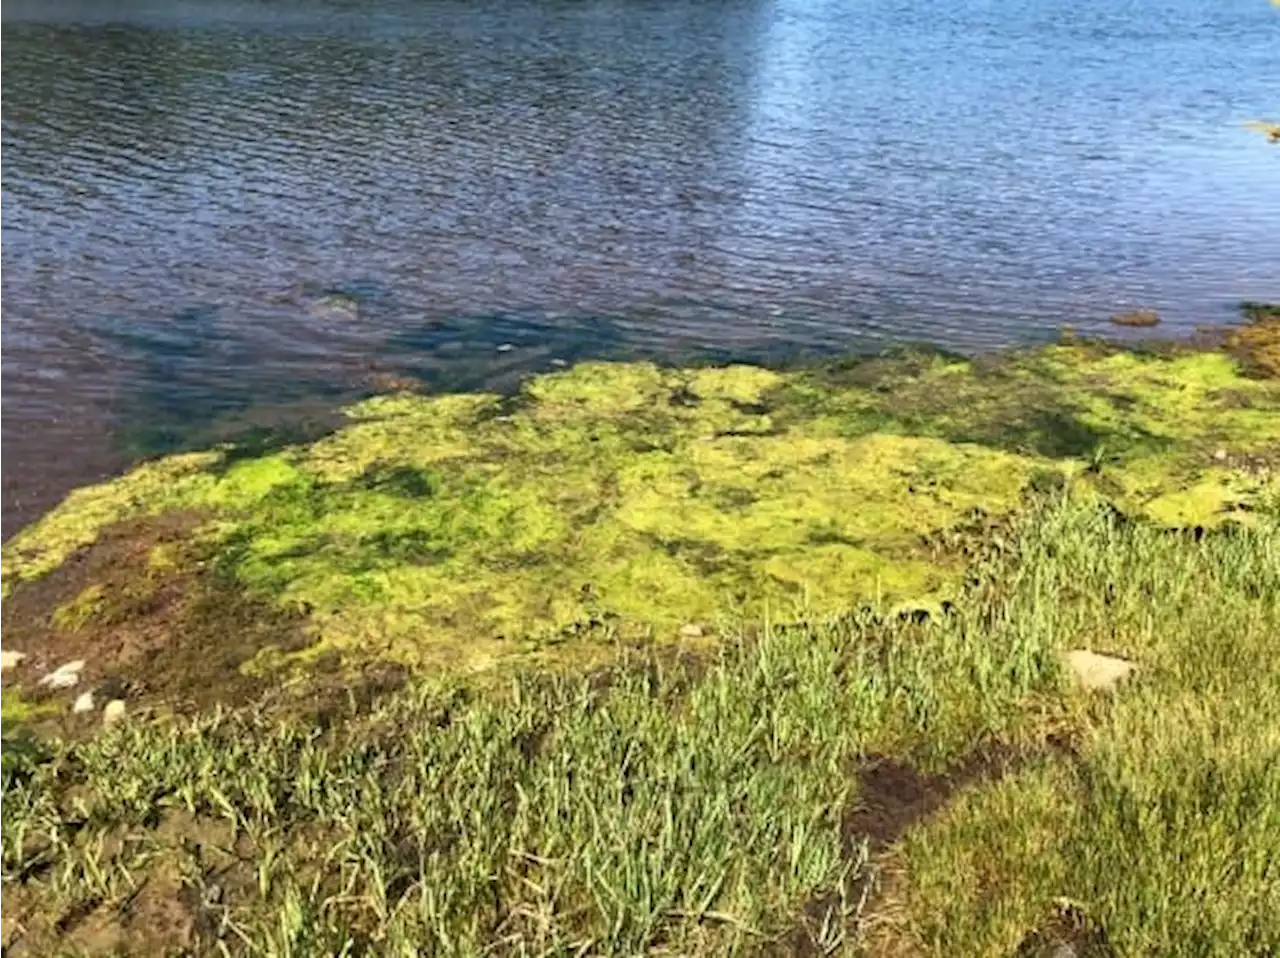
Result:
{"points": [[691, 631], [84, 703], [1094, 671], [65, 676], [1220, 455], [113, 712], [9, 660]]}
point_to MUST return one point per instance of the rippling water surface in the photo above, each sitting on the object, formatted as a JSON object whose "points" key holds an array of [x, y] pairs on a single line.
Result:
{"points": [[225, 215]]}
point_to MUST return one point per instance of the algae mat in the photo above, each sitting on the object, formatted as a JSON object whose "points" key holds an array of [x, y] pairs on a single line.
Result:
{"points": [[628, 499]]}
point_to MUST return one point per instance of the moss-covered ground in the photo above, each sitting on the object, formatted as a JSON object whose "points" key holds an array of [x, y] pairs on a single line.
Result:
{"points": [[675, 661]]}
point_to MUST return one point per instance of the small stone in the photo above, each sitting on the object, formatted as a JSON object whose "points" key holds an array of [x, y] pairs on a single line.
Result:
{"points": [[9, 660], [1220, 455], [84, 703], [64, 676], [113, 712], [691, 631], [1094, 671]]}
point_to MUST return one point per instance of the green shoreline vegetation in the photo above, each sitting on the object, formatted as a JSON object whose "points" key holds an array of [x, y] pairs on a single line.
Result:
{"points": [[674, 661]]}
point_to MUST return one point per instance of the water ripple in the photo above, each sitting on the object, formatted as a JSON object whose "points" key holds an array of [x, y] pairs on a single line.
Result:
{"points": [[187, 182]]}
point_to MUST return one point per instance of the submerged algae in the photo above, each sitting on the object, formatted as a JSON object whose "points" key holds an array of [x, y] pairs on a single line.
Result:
{"points": [[455, 529]]}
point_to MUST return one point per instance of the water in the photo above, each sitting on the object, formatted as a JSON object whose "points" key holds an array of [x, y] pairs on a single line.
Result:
{"points": [[233, 214]]}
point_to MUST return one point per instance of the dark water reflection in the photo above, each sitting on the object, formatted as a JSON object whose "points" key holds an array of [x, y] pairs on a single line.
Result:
{"points": [[229, 214]]}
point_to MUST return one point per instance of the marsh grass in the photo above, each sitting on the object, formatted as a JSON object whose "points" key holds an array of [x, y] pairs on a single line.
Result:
{"points": [[702, 806], [1164, 829]]}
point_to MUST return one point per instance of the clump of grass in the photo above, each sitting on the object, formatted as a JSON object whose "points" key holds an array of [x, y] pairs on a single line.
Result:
{"points": [[1165, 828]]}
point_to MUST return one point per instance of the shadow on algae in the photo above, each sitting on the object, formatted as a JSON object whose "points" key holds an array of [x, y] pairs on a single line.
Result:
{"points": [[624, 499]]}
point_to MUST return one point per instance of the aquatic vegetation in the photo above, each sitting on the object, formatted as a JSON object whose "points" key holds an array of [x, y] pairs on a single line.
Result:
{"points": [[87, 604], [77, 522], [1257, 344], [626, 499]]}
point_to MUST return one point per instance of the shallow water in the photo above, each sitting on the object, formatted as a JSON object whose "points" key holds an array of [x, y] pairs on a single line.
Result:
{"points": [[232, 214]]}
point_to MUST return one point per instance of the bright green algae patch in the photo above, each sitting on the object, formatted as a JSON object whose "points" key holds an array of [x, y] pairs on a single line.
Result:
{"points": [[456, 528]]}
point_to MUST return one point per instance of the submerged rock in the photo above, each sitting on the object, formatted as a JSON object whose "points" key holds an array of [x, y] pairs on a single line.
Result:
{"points": [[1098, 672], [335, 305], [1141, 318]]}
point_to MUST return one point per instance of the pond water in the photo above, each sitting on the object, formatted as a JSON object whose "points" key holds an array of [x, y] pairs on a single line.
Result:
{"points": [[227, 215]]}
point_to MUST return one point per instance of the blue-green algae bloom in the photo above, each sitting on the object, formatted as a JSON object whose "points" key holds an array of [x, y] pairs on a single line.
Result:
{"points": [[631, 500]]}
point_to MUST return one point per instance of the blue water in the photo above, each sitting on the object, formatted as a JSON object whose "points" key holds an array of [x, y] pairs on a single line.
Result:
{"points": [[218, 215]]}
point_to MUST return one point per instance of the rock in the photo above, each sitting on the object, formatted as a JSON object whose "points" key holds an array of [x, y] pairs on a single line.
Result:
{"points": [[1094, 671], [9, 660], [1137, 318], [84, 703], [691, 631], [506, 348], [59, 680], [64, 676], [113, 712], [1220, 455]]}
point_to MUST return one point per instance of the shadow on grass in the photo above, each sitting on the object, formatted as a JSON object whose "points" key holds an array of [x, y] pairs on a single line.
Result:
{"points": [[19, 752]]}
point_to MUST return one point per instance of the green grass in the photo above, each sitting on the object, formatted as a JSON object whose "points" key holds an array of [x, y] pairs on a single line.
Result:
{"points": [[1166, 828], [700, 806]]}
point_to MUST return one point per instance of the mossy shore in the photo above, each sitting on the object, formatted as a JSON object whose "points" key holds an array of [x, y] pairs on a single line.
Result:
{"points": [[674, 661]]}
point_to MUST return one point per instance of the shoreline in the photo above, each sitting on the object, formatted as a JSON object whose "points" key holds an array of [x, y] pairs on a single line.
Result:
{"points": [[800, 670], [609, 490]]}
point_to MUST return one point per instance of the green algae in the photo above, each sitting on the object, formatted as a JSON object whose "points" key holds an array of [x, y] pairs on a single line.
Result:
{"points": [[12, 706], [150, 489], [88, 603], [619, 499]]}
